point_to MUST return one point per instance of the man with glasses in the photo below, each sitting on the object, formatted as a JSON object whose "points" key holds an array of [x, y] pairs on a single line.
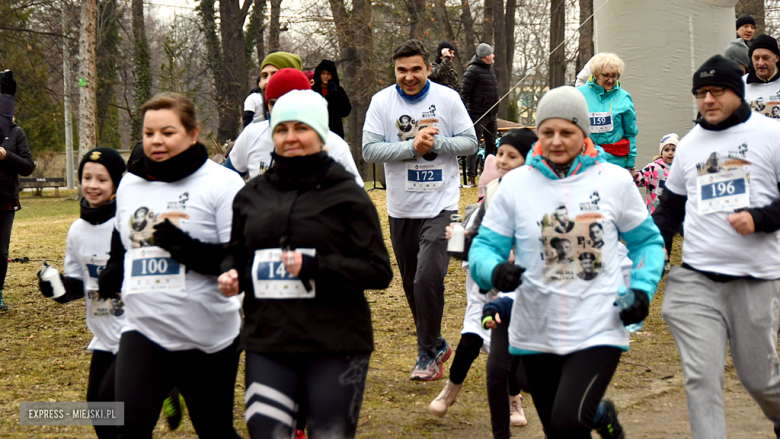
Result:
{"points": [[727, 292], [762, 88]]}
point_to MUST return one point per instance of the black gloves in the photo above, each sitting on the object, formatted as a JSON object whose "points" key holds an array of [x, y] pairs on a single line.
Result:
{"points": [[199, 256], [110, 282], [170, 238], [7, 83], [309, 267], [638, 311], [489, 311], [506, 276], [74, 288]]}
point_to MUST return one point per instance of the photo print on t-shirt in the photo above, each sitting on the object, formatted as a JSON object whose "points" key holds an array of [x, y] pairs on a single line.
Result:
{"points": [[770, 109], [572, 246], [142, 224], [408, 127], [715, 164]]}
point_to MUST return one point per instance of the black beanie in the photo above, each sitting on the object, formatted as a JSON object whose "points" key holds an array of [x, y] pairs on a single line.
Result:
{"points": [[108, 157], [721, 72], [763, 42], [443, 45], [521, 139], [745, 19]]}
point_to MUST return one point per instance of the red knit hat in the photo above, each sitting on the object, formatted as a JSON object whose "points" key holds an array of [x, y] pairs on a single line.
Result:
{"points": [[309, 74], [284, 81]]}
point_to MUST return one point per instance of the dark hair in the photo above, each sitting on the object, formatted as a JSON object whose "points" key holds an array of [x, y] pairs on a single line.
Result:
{"points": [[592, 225], [411, 48], [176, 102]]}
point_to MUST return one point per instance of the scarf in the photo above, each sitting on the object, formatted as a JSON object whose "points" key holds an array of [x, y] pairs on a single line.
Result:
{"points": [[416, 98], [173, 169], [300, 172], [98, 215]]}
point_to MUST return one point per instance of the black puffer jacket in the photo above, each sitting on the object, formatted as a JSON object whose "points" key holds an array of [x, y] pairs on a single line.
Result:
{"points": [[479, 89], [312, 202], [338, 101], [18, 161]]}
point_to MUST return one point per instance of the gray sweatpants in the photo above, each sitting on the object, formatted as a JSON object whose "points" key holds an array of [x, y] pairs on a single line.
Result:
{"points": [[703, 316], [421, 251]]}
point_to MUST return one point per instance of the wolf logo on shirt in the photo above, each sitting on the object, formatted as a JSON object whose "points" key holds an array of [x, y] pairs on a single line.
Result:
{"points": [[572, 247]]}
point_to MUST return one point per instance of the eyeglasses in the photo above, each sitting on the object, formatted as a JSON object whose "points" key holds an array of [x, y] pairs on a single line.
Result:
{"points": [[614, 76], [715, 92]]}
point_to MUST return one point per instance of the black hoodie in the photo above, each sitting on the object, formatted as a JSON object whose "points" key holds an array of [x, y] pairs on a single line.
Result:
{"points": [[338, 101]]}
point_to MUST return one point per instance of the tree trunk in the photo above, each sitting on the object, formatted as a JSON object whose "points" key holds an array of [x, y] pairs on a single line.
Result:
{"points": [[87, 132], [509, 57], [468, 30], [557, 35], [258, 16], [416, 18], [232, 81], [273, 30], [446, 28], [585, 52], [107, 77], [488, 23], [66, 81], [500, 66], [142, 72], [754, 8]]}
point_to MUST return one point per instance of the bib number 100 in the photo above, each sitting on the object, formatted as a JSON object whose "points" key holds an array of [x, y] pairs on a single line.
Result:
{"points": [[154, 266]]}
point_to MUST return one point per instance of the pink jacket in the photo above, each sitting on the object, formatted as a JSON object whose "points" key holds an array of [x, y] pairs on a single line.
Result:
{"points": [[653, 177]]}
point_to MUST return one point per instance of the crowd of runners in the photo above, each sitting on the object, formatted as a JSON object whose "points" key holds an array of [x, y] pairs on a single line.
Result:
{"points": [[184, 264]]}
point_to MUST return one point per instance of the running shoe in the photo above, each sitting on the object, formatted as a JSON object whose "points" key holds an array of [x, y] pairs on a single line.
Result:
{"points": [[172, 409], [299, 434], [667, 267], [3, 306], [444, 352], [426, 369], [516, 413], [609, 427]]}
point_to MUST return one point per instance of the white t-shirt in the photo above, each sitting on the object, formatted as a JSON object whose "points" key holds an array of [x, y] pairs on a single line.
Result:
{"points": [[199, 316], [717, 160], [86, 255], [417, 188], [763, 97], [254, 103], [566, 237], [253, 148]]}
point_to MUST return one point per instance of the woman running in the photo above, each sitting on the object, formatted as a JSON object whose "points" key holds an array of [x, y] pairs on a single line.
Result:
{"points": [[305, 244], [173, 214], [565, 231], [86, 253]]}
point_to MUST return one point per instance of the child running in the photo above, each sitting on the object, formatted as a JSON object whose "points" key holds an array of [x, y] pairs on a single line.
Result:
{"points": [[653, 176]]}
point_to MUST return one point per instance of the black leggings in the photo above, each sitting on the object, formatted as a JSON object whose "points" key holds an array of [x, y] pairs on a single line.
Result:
{"points": [[146, 373], [6, 224], [505, 377], [102, 370], [567, 389], [467, 351], [330, 386]]}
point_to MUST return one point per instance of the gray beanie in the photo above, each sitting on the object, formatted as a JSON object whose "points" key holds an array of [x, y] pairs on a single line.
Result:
{"points": [[484, 50], [564, 102], [737, 51]]}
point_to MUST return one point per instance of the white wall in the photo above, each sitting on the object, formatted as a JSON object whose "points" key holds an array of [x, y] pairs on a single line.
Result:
{"points": [[662, 43]]}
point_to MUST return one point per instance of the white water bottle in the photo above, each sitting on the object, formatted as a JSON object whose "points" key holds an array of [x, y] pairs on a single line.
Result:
{"points": [[457, 241], [51, 275]]}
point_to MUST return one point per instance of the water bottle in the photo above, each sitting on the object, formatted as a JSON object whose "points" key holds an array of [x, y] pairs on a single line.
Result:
{"points": [[457, 241], [625, 298], [51, 275]]}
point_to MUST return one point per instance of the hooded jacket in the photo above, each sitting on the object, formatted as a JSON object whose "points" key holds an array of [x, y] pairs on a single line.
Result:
{"points": [[479, 89], [338, 101], [619, 103], [18, 161]]}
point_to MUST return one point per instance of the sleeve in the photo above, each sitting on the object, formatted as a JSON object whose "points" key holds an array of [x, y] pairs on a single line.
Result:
{"points": [[376, 150], [469, 78], [249, 104], [344, 107], [235, 255], [630, 131], [73, 279], [643, 240], [464, 143], [7, 107], [495, 239], [583, 75], [767, 219], [461, 121], [22, 162], [669, 214], [110, 280], [239, 155], [643, 177], [248, 117], [437, 72], [342, 155], [367, 266]]}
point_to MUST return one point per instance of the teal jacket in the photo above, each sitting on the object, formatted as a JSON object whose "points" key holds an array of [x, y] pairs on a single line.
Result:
{"points": [[620, 103]]}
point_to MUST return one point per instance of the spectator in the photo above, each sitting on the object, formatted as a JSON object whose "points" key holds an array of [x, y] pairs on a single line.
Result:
{"points": [[441, 67], [746, 28], [253, 105], [479, 92], [310, 76], [326, 83], [738, 51], [7, 102], [15, 160], [270, 65]]}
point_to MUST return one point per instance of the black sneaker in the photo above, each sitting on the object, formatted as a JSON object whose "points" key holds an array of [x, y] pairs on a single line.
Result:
{"points": [[172, 409], [609, 427]]}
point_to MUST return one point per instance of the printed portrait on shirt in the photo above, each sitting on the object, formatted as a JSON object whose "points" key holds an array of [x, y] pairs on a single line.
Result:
{"points": [[408, 127], [572, 246], [142, 225], [770, 109]]}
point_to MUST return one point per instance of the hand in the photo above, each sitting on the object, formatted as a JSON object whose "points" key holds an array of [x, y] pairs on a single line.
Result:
{"points": [[490, 316], [742, 222], [507, 276], [228, 283], [292, 262], [511, 256], [638, 311], [2, 153], [448, 53], [448, 231], [633, 173], [169, 237], [110, 283], [424, 140]]}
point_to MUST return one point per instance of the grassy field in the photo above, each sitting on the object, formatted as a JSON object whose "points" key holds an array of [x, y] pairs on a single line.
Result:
{"points": [[43, 356]]}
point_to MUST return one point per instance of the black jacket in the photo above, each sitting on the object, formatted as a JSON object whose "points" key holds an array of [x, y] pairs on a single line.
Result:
{"points": [[338, 101], [313, 202], [479, 89], [18, 161]]}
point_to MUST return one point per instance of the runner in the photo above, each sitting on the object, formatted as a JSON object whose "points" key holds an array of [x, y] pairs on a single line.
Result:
{"points": [[252, 151], [86, 253], [303, 232], [762, 90], [418, 128], [173, 211], [724, 185], [564, 322]]}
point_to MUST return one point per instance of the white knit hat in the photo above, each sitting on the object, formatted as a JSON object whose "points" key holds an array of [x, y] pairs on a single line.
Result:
{"points": [[669, 139]]}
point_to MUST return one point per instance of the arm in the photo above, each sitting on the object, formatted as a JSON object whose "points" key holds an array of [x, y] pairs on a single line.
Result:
{"points": [[464, 143], [7, 106], [670, 213], [229, 164], [376, 150], [643, 177], [73, 278], [630, 131], [767, 219], [248, 117], [344, 107], [437, 72], [22, 162], [110, 280], [488, 250], [469, 79], [471, 233], [646, 250]]}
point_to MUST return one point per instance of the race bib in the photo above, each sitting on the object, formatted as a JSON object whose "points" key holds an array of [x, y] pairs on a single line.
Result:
{"points": [[272, 281], [153, 270], [723, 191], [95, 264], [600, 122], [424, 177]]}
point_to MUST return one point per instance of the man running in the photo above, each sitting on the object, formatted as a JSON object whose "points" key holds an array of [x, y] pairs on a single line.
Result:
{"points": [[762, 90], [421, 169]]}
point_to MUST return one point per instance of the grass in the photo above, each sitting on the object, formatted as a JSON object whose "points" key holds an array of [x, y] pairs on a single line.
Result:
{"points": [[43, 356]]}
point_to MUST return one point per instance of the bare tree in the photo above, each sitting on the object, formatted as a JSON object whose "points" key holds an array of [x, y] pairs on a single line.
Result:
{"points": [[274, 27], [468, 28], [87, 77], [557, 35], [416, 10], [142, 71], [258, 21], [585, 52]]}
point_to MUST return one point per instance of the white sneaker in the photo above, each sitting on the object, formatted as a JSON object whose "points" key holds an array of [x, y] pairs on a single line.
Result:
{"points": [[516, 413], [445, 399]]}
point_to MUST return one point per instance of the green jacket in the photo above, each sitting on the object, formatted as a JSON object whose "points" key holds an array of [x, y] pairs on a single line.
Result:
{"points": [[620, 103]]}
